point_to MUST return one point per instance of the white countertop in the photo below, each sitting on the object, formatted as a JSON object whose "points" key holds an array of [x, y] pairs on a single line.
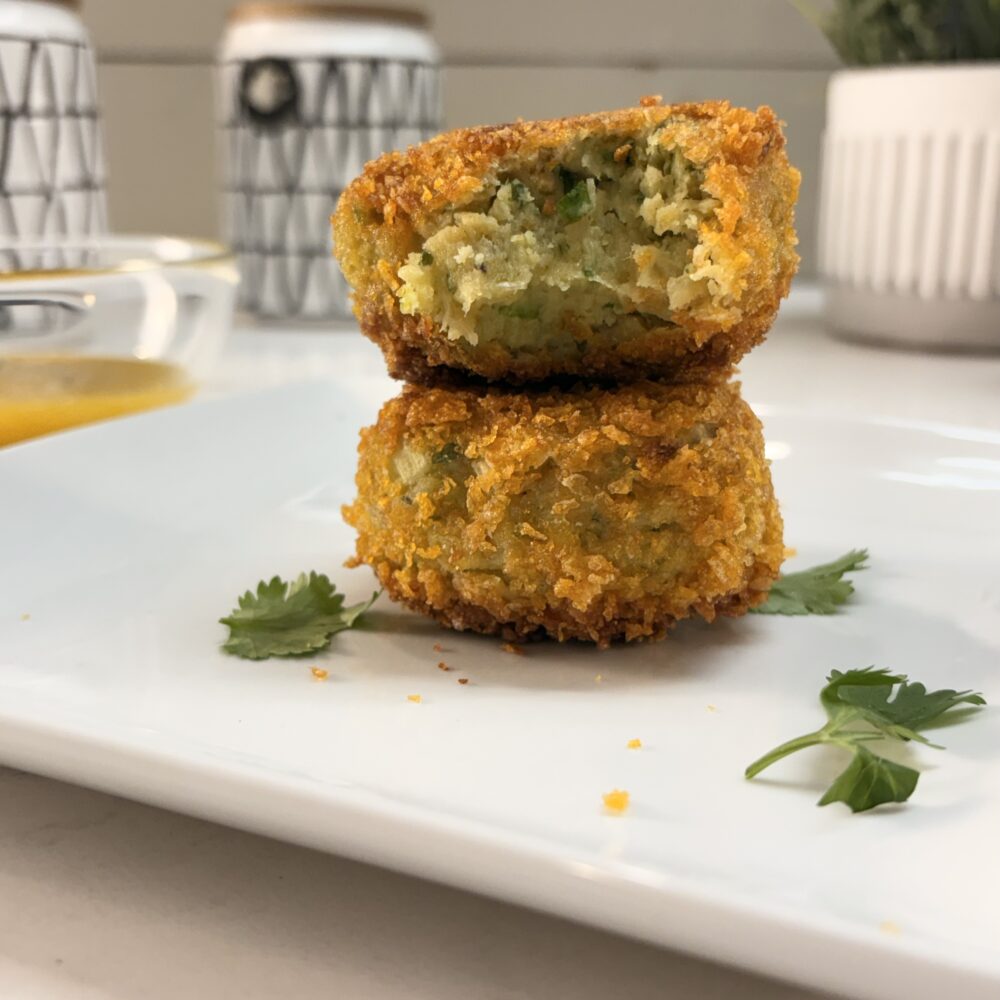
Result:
{"points": [[106, 898]]}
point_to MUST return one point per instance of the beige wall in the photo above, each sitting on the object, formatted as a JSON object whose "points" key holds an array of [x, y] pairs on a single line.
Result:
{"points": [[527, 58]]}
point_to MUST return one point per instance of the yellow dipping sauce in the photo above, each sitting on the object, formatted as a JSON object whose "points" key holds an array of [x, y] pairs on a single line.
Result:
{"points": [[40, 394]]}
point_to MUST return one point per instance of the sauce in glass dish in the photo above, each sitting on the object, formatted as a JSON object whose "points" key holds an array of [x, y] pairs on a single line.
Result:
{"points": [[43, 393]]}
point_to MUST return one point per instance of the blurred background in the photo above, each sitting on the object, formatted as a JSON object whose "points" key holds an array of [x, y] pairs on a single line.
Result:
{"points": [[521, 58]]}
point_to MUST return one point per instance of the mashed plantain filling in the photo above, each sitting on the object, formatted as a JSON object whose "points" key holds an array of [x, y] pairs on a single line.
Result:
{"points": [[607, 235]]}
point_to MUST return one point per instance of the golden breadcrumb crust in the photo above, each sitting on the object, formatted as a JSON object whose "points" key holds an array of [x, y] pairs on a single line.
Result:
{"points": [[387, 212], [589, 514]]}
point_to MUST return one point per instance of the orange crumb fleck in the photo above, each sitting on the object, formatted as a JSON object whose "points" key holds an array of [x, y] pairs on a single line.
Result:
{"points": [[415, 698], [650, 100], [621, 153], [320, 674], [890, 927], [616, 801], [443, 666], [438, 648], [463, 680], [789, 552], [384, 269], [510, 647], [634, 744]]}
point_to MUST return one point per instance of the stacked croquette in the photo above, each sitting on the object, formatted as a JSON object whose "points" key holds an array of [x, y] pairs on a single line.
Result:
{"points": [[567, 300]]}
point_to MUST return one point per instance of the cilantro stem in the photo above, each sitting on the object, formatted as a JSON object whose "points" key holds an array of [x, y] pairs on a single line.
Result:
{"points": [[830, 734], [799, 743]]}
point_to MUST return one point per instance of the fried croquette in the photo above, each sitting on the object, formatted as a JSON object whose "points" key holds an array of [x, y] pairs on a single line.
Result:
{"points": [[654, 241], [593, 514]]}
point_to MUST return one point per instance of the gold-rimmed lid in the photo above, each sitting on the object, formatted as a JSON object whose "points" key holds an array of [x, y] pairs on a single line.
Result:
{"points": [[95, 256], [269, 9]]}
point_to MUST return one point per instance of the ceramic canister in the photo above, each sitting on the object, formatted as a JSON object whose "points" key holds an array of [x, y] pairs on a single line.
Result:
{"points": [[307, 95], [910, 207], [51, 151]]}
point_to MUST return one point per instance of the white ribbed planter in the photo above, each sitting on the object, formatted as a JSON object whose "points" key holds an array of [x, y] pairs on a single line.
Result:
{"points": [[910, 208]]}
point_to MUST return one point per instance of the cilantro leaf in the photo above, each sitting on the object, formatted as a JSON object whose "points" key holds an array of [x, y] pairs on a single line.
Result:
{"points": [[869, 781], [818, 590], [575, 204], [866, 693], [868, 705], [289, 619]]}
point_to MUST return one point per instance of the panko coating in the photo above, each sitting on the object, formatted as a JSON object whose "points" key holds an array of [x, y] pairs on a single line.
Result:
{"points": [[656, 241], [594, 514]]}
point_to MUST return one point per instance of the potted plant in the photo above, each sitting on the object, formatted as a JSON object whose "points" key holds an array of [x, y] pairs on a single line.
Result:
{"points": [[910, 202]]}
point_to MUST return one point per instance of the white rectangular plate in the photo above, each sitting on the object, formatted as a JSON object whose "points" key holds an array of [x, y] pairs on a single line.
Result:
{"points": [[124, 543]]}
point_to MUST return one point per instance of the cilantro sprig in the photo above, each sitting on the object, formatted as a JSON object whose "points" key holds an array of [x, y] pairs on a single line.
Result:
{"points": [[819, 590], [862, 707], [289, 619]]}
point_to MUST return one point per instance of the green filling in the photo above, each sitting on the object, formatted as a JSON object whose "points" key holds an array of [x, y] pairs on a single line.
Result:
{"points": [[447, 454], [553, 251], [521, 310], [575, 204]]}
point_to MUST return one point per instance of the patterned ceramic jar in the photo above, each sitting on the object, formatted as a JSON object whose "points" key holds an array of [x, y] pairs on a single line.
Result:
{"points": [[910, 208], [308, 94], [51, 153]]}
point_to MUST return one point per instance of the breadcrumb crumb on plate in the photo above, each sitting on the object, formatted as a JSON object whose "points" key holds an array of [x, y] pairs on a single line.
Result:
{"points": [[415, 698], [635, 744], [319, 673], [616, 801]]}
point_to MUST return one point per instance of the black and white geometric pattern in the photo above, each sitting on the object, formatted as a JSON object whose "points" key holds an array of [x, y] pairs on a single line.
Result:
{"points": [[296, 132], [52, 179]]}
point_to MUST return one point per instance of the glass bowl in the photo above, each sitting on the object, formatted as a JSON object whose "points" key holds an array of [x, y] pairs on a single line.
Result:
{"points": [[98, 327]]}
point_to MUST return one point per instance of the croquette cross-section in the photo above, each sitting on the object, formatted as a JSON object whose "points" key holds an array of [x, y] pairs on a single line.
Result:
{"points": [[656, 241], [592, 514]]}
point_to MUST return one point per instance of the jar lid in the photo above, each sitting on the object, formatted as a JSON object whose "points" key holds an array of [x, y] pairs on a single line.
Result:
{"points": [[254, 10]]}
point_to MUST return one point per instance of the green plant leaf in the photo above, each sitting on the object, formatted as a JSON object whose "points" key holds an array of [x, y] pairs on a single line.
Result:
{"points": [[289, 619], [819, 590], [887, 32], [575, 204], [865, 706], [870, 781], [870, 694]]}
